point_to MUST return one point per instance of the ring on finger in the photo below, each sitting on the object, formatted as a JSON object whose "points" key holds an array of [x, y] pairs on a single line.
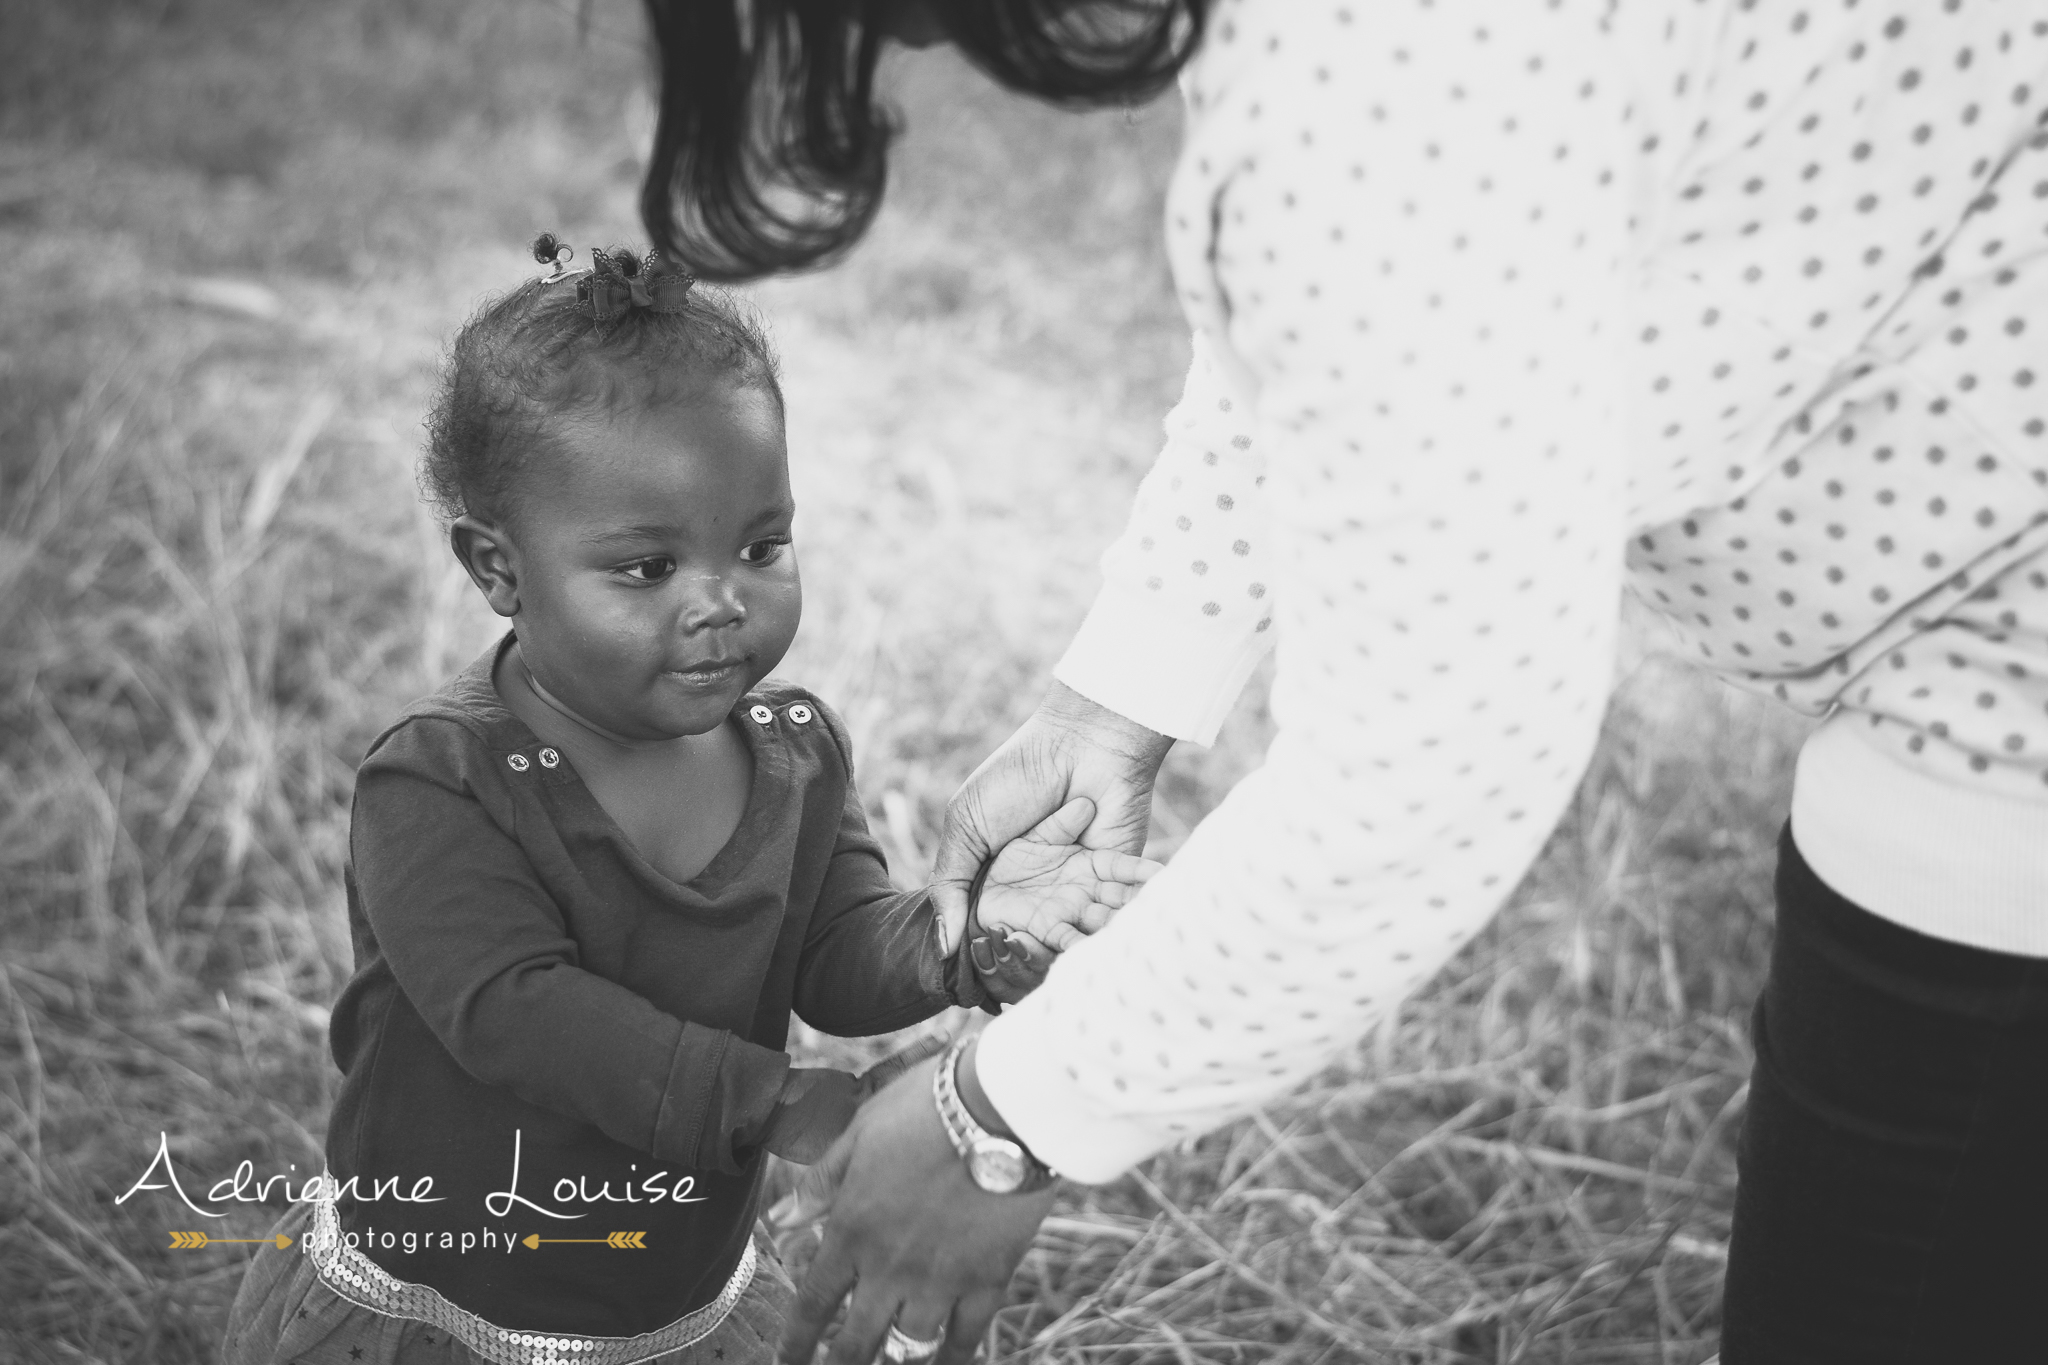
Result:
{"points": [[899, 1346]]}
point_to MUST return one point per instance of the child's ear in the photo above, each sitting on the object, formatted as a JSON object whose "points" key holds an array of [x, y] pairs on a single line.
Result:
{"points": [[485, 552]]}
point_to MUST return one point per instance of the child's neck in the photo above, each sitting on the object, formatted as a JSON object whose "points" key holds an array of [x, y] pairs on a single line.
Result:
{"points": [[677, 801], [562, 709]]}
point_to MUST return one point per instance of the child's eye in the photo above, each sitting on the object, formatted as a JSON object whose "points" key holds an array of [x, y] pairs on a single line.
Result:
{"points": [[764, 551], [650, 570]]}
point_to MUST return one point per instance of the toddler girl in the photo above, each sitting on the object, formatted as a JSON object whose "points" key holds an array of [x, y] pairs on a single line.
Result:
{"points": [[593, 875]]}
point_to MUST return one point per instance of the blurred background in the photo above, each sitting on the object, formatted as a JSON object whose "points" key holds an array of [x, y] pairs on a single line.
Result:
{"points": [[236, 234]]}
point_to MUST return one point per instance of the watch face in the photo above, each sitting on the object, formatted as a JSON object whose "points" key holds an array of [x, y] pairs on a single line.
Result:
{"points": [[998, 1166]]}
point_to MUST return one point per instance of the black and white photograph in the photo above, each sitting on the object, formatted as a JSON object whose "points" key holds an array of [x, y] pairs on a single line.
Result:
{"points": [[1040, 682]]}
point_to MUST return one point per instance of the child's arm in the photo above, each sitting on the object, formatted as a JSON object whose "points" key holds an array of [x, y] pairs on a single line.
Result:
{"points": [[482, 954], [871, 960]]}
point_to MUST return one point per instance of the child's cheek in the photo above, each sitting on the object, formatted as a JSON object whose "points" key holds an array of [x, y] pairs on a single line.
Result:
{"points": [[780, 611]]}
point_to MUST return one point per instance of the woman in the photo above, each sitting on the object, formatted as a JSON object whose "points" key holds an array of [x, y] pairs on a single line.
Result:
{"points": [[1497, 309]]}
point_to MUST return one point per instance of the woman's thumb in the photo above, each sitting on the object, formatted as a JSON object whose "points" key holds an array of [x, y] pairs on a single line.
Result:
{"points": [[1067, 824], [886, 1071], [963, 848]]}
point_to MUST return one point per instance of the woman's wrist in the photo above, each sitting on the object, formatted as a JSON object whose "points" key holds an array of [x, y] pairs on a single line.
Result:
{"points": [[1086, 718], [974, 1097]]}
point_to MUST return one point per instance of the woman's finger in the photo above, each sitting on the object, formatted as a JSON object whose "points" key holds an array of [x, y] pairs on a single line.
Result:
{"points": [[949, 899], [924, 1319], [968, 1325], [1065, 825], [859, 1338], [830, 1275]]}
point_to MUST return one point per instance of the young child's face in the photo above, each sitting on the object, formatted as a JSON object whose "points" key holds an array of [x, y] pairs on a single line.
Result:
{"points": [[656, 579]]}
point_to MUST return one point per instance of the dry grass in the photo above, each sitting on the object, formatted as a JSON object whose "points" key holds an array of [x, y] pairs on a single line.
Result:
{"points": [[215, 584]]}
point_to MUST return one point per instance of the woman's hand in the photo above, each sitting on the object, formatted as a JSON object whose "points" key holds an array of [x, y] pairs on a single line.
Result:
{"points": [[1070, 747], [916, 1241]]}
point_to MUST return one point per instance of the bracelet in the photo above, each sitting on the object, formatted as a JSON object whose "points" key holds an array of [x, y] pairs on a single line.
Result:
{"points": [[999, 1165]]}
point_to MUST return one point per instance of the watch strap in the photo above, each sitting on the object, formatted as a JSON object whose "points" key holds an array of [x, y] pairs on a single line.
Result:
{"points": [[965, 1133]]}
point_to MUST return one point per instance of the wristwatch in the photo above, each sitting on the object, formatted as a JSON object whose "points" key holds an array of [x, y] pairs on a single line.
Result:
{"points": [[999, 1165]]}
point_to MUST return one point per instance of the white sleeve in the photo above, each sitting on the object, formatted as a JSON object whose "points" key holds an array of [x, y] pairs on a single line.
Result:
{"points": [[1184, 612], [1415, 240]]}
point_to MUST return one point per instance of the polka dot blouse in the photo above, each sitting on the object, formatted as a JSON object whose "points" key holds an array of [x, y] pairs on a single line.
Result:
{"points": [[1503, 309]]}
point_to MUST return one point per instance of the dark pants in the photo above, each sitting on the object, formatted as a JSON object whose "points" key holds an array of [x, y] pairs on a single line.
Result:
{"points": [[1893, 1195]]}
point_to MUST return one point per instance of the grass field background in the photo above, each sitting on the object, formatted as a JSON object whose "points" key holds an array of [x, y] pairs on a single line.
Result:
{"points": [[235, 236]]}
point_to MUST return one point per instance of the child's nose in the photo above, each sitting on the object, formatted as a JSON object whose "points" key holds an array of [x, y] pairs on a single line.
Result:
{"points": [[711, 601]]}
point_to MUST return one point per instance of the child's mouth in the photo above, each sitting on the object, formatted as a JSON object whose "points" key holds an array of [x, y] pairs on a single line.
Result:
{"points": [[708, 675]]}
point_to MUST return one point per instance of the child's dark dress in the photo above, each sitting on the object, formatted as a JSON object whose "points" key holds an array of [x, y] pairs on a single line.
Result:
{"points": [[526, 983]]}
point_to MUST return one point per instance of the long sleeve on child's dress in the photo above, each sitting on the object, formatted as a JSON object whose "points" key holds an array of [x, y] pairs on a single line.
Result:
{"points": [[871, 962], [487, 958], [484, 953], [535, 1009]]}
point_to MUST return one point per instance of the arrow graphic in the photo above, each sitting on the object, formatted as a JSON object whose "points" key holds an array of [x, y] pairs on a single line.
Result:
{"points": [[192, 1241], [626, 1241]]}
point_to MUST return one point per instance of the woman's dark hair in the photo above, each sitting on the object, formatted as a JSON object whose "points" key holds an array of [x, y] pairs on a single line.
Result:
{"points": [[770, 152], [537, 356]]}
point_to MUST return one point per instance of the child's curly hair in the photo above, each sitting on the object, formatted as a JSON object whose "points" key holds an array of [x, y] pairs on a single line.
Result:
{"points": [[531, 357]]}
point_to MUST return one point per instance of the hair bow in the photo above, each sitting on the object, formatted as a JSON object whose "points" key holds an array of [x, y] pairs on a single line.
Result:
{"points": [[617, 281]]}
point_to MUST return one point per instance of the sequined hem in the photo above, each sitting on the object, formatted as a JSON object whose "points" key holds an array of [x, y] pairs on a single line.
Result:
{"points": [[360, 1280]]}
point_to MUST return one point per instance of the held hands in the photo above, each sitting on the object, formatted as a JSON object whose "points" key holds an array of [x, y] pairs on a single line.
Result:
{"points": [[910, 1237], [1053, 882], [1044, 892], [1069, 747], [817, 1103]]}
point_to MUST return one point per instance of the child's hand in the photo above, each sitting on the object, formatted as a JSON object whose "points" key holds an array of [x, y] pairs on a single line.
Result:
{"points": [[818, 1102], [1046, 889]]}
